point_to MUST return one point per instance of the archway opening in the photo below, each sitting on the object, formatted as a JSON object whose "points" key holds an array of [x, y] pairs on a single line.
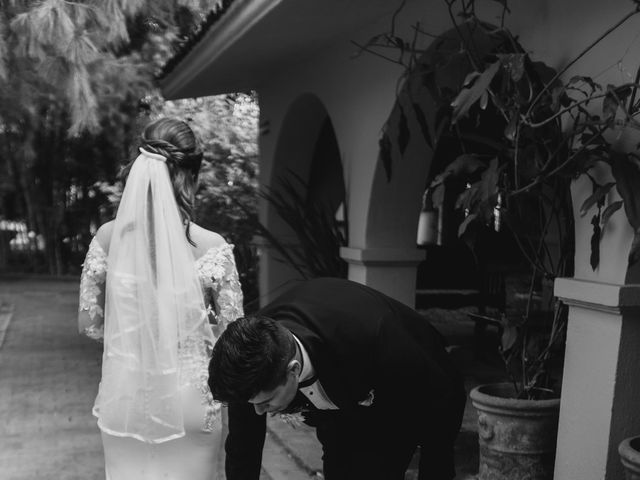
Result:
{"points": [[305, 201]]}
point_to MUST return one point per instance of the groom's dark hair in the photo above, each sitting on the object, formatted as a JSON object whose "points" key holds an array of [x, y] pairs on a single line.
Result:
{"points": [[250, 357]]}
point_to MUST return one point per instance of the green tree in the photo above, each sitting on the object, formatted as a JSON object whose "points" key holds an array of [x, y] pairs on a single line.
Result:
{"points": [[71, 76]]}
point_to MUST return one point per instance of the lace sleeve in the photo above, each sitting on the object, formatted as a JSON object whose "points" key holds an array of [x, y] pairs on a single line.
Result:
{"points": [[92, 282], [223, 295]]}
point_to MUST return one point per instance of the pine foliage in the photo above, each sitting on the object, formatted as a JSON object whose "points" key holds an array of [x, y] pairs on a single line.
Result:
{"points": [[73, 46], [72, 76], [4, 51]]}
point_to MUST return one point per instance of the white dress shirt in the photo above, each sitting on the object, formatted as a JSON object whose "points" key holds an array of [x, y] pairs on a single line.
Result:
{"points": [[314, 392]]}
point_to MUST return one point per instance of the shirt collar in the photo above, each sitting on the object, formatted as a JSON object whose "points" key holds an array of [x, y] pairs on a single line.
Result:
{"points": [[307, 370]]}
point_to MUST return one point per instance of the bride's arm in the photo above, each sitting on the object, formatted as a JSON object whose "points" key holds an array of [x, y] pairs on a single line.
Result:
{"points": [[227, 291], [92, 284]]}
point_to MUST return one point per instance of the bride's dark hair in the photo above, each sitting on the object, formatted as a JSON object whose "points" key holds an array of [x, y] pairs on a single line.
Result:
{"points": [[174, 140]]}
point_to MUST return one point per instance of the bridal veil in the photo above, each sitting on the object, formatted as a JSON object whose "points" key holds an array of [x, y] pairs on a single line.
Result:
{"points": [[153, 305]]}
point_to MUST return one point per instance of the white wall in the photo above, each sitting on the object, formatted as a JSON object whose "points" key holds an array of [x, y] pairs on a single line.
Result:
{"points": [[358, 94]]}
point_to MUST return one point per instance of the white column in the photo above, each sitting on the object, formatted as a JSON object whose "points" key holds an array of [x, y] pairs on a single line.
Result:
{"points": [[392, 271], [600, 402]]}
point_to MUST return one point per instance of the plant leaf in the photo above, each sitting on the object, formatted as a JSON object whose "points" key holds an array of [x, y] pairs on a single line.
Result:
{"points": [[594, 258], [626, 171], [582, 79], [610, 210], [273, 241], [385, 154], [623, 92], [403, 132], [484, 99], [595, 197], [437, 196], [470, 95], [514, 64], [509, 337], [589, 159], [615, 97], [489, 181], [465, 224], [609, 105], [634, 252], [422, 121], [464, 199], [470, 78], [556, 95], [463, 166], [591, 136], [510, 129]]}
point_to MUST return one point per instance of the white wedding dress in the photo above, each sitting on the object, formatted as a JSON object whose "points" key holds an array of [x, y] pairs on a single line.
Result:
{"points": [[199, 453]]}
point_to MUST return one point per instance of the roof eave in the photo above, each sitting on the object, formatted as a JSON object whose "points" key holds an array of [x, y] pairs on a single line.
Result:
{"points": [[241, 17]]}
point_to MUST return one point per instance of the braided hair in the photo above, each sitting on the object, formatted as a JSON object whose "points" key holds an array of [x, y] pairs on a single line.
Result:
{"points": [[174, 140]]}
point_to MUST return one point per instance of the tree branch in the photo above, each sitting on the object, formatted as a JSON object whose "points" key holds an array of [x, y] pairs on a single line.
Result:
{"points": [[582, 54]]}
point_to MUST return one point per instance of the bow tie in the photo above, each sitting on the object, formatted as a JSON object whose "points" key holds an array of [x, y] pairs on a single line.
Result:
{"points": [[300, 404]]}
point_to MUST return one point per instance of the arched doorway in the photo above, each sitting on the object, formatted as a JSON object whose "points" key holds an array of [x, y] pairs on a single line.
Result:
{"points": [[305, 200]]}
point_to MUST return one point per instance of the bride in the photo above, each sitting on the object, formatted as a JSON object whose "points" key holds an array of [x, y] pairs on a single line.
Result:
{"points": [[159, 290]]}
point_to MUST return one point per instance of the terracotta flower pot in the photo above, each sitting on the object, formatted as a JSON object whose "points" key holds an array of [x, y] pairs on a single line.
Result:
{"points": [[517, 437], [629, 450]]}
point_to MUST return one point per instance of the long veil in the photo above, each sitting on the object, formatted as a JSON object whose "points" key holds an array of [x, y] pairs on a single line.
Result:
{"points": [[153, 304]]}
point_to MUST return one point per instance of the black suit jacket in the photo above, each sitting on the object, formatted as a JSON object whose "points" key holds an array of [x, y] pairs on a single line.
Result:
{"points": [[358, 341]]}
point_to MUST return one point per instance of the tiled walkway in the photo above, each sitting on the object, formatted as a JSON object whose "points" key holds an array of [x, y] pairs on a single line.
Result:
{"points": [[49, 376]]}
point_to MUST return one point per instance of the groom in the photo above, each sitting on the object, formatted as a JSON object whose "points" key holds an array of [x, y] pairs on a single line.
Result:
{"points": [[368, 372]]}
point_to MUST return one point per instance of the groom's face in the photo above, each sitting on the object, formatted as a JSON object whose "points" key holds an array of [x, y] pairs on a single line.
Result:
{"points": [[276, 400]]}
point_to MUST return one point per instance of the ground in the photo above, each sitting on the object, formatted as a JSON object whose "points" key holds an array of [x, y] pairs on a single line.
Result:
{"points": [[49, 377]]}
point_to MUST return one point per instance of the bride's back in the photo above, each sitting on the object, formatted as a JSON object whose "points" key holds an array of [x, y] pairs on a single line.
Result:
{"points": [[170, 287], [204, 239]]}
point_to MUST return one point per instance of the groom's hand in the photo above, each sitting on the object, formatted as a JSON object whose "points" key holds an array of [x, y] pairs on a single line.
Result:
{"points": [[245, 442]]}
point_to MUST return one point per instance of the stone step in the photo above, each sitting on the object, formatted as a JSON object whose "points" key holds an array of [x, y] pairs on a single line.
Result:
{"points": [[300, 443]]}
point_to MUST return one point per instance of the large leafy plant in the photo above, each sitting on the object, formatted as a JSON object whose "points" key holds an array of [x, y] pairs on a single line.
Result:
{"points": [[546, 131], [318, 235]]}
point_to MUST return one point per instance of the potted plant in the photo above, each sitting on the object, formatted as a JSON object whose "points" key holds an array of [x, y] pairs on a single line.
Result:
{"points": [[629, 450], [509, 139], [506, 188]]}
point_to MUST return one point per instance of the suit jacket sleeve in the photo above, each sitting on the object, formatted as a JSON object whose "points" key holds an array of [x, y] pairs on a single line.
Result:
{"points": [[245, 442]]}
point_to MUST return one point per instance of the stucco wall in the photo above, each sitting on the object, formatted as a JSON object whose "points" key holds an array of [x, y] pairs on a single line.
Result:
{"points": [[357, 100], [357, 94]]}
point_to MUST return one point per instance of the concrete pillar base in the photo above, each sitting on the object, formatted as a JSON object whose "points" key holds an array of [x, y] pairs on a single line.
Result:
{"points": [[389, 270], [601, 383]]}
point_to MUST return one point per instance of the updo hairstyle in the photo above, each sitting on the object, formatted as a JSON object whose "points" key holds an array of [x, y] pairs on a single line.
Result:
{"points": [[174, 140]]}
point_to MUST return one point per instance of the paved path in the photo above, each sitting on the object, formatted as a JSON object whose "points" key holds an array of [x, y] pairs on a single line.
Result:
{"points": [[48, 381]]}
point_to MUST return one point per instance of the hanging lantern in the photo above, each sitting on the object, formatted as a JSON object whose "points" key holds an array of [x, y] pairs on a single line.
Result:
{"points": [[428, 228], [428, 222], [497, 213], [466, 210]]}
